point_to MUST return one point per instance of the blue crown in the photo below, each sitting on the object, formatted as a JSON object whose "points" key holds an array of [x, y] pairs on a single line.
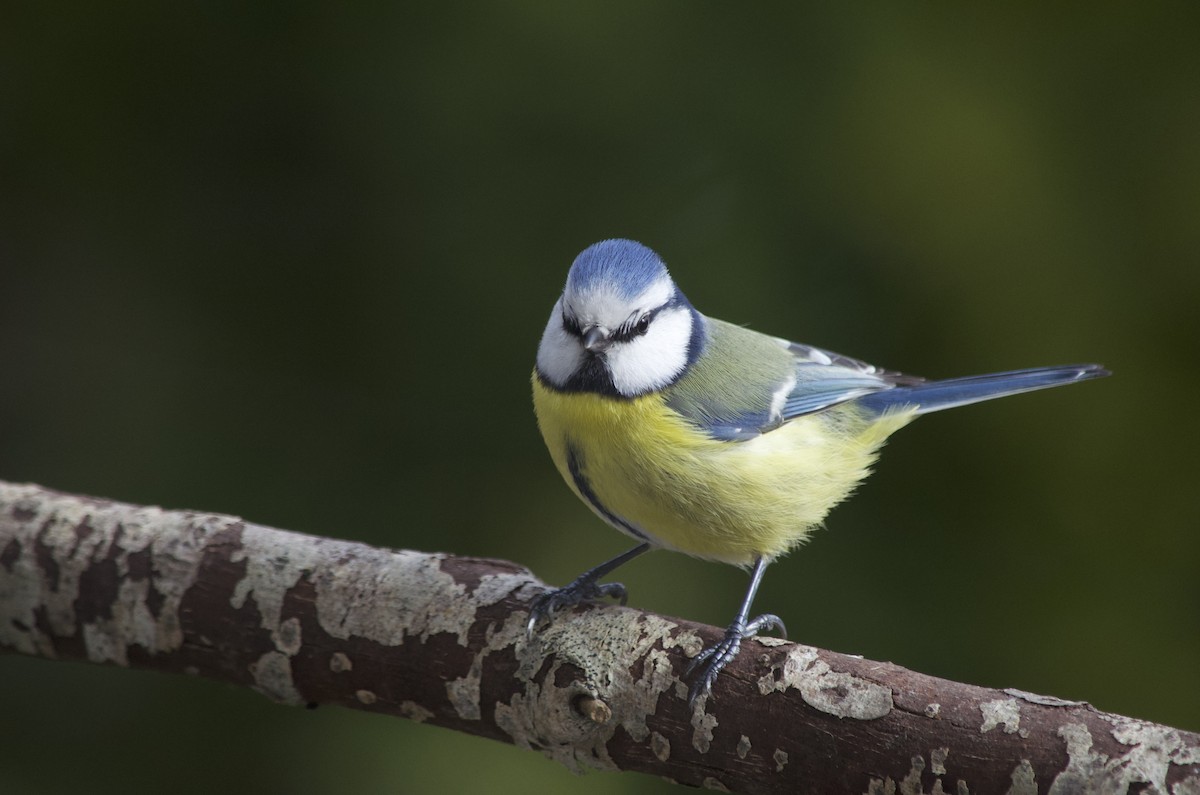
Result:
{"points": [[625, 265]]}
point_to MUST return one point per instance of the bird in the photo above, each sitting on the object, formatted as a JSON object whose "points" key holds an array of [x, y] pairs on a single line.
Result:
{"points": [[696, 435]]}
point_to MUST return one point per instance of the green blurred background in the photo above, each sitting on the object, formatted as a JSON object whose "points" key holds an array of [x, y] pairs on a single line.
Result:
{"points": [[291, 261]]}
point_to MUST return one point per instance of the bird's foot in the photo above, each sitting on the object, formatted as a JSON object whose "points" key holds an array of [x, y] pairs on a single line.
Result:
{"points": [[708, 663], [583, 589]]}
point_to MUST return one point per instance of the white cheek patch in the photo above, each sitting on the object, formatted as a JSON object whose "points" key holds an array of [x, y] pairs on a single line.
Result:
{"points": [[559, 354], [655, 359]]}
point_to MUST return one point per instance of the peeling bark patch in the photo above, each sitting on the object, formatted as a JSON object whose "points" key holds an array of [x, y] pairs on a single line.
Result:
{"points": [[714, 784], [1023, 780], [781, 759], [287, 636], [121, 583], [702, 727], [340, 663], [421, 600], [414, 711], [911, 783], [45, 557], [1188, 786], [743, 746], [103, 644], [366, 696], [464, 692], [490, 589], [937, 760], [660, 746], [464, 570], [1001, 712], [836, 693], [1045, 701], [84, 571], [1148, 739], [1152, 750], [272, 674]]}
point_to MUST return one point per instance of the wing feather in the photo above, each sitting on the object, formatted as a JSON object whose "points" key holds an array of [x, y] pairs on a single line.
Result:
{"points": [[774, 381]]}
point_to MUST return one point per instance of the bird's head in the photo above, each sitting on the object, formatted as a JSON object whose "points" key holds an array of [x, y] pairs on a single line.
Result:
{"points": [[621, 327]]}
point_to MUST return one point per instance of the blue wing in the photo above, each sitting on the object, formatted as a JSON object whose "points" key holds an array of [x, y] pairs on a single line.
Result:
{"points": [[782, 380], [825, 378], [930, 396], [778, 381]]}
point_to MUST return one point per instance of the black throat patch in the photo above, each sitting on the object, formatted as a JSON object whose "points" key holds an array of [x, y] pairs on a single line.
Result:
{"points": [[593, 376]]}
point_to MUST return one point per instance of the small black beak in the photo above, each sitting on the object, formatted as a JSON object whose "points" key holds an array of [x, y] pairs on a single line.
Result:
{"points": [[596, 339]]}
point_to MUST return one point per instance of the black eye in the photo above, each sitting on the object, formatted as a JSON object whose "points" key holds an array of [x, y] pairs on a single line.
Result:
{"points": [[632, 329], [571, 325]]}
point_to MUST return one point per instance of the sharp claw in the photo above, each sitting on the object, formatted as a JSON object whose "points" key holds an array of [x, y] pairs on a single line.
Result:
{"points": [[541, 609], [716, 657], [699, 658], [545, 606], [713, 660], [765, 623]]}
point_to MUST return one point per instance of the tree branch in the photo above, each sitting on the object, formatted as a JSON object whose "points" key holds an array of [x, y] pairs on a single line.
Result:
{"points": [[440, 639]]}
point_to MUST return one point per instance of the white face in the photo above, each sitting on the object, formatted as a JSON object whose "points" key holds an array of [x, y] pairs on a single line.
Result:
{"points": [[642, 344]]}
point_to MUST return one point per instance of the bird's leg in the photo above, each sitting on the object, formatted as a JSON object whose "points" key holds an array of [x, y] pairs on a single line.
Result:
{"points": [[710, 661], [583, 588]]}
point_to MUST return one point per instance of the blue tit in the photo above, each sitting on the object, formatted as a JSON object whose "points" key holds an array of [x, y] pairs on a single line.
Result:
{"points": [[692, 434]]}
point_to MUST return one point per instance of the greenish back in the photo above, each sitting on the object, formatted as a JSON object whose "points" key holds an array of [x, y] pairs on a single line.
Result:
{"points": [[734, 408]]}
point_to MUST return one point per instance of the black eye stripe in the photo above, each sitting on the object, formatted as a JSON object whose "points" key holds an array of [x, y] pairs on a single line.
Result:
{"points": [[634, 328], [571, 325]]}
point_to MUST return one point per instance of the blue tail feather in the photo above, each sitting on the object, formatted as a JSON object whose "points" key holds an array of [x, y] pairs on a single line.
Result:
{"points": [[937, 395]]}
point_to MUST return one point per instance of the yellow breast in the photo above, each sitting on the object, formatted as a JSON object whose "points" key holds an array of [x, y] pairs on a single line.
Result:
{"points": [[640, 462]]}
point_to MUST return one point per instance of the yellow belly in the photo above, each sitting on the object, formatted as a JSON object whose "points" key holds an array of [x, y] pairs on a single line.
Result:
{"points": [[726, 501]]}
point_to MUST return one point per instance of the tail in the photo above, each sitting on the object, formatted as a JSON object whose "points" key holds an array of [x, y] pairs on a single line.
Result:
{"points": [[937, 395]]}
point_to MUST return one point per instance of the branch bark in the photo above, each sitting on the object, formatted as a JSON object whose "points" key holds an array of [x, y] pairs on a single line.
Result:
{"points": [[440, 639]]}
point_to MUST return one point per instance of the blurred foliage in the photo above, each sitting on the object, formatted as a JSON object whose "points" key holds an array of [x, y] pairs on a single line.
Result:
{"points": [[291, 261]]}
